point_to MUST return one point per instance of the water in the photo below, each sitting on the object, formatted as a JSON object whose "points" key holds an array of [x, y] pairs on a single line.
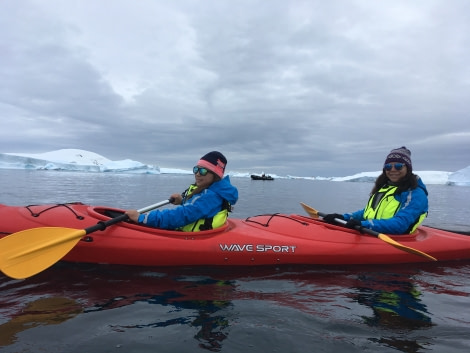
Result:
{"points": [[96, 308]]}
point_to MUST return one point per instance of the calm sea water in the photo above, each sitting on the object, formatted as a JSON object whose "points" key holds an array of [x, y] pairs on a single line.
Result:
{"points": [[96, 308]]}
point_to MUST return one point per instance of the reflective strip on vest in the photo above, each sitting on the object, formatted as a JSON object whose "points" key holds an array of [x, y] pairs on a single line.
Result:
{"points": [[383, 205], [217, 221]]}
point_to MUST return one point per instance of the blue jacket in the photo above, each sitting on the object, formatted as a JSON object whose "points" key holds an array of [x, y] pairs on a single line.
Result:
{"points": [[204, 205], [413, 203]]}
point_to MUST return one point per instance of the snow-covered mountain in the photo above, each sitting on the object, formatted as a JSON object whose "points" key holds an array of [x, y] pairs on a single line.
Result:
{"points": [[85, 161]]}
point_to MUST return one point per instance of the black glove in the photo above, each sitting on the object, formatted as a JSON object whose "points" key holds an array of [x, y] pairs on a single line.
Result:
{"points": [[330, 218], [354, 224]]}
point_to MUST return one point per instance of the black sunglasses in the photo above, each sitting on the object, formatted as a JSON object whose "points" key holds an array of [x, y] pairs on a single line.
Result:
{"points": [[202, 171], [398, 166]]}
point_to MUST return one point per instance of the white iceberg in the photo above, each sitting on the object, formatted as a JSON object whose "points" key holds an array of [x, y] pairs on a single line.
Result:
{"points": [[460, 177], [72, 160]]}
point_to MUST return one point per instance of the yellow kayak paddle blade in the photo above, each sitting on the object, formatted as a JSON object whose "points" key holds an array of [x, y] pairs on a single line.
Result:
{"points": [[396, 244], [313, 213], [26, 253]]}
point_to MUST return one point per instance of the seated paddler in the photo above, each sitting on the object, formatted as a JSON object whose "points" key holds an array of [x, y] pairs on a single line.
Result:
{"points": [[398, 202], [204, 205]]}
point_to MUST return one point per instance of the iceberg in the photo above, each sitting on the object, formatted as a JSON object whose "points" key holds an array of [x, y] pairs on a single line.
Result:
{"points": [[86, 161], [72, 160], [460, 177]]}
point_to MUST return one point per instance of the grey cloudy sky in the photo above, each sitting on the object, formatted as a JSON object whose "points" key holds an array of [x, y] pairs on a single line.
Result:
{"points": [[305, 88]]}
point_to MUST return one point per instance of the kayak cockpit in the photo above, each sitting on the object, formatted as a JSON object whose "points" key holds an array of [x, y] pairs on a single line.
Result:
{"points": [[105, 213]]}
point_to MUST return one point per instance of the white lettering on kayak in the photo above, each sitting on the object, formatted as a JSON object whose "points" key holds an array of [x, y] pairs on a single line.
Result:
{"points": [[236, 247], [258, 248]]}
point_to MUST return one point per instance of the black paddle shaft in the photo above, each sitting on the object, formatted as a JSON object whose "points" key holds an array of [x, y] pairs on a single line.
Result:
{"points": [[102, 225]]}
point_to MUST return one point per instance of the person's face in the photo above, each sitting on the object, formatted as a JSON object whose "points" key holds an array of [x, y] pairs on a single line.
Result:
{"points": [[205, 180], [395, 171]]}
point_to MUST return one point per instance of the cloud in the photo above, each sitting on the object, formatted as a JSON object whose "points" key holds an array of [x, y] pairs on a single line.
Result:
{"points": [[294, 87]]}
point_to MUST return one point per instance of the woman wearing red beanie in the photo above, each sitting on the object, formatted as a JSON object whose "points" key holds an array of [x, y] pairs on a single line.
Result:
{"points": [[398, 201], [204, 205]]}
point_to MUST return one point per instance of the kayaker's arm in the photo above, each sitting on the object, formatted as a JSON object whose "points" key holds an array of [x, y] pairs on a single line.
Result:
{"points": [[134, 214]]}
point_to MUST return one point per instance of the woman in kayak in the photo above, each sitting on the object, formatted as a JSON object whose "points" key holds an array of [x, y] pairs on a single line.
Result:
{"points": [[398, 201], [204, 205]]}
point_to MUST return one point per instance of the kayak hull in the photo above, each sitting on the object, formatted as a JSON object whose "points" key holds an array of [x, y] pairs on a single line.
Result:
{"points": [[273, 239]]}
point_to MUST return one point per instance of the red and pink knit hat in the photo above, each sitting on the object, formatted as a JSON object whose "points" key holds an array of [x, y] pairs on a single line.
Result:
{"points": [[215, 162]]}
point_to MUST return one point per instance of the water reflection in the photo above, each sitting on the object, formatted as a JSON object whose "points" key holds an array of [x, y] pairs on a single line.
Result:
{"points": [[42, 311], [210, 307], [212, 327], [397, 309], [198, 301]]}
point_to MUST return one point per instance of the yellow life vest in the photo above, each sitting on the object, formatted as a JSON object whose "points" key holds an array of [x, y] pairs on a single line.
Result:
{"points": [[207, 223], [383, 205]]}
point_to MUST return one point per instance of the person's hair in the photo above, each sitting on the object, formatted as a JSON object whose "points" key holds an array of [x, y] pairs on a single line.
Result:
{"points": [[409, 182]]}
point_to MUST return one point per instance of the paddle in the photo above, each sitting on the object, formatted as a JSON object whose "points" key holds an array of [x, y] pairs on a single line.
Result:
{"points": [[314, 214], [28, 252]]}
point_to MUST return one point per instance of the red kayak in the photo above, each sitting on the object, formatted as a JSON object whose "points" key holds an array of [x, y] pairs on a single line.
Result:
{"points": [[258, 240]]}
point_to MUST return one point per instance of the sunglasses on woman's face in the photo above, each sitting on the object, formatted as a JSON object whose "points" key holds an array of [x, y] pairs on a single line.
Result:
{"points": [[202, 171], [398, 166]]}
